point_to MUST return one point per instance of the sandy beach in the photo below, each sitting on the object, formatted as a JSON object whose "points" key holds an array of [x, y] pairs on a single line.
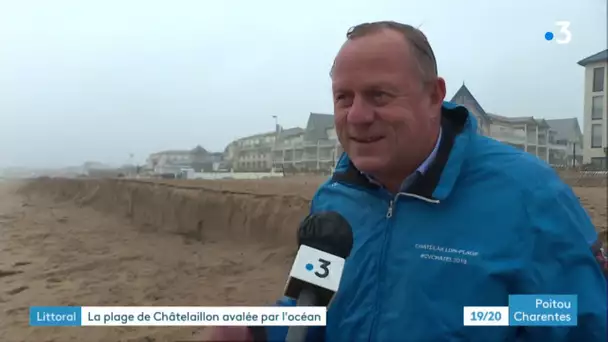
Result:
{"points": [[137, 243]]}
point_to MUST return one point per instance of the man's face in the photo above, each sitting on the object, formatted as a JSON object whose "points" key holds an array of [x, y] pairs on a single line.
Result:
{"points": [[385, 116]]}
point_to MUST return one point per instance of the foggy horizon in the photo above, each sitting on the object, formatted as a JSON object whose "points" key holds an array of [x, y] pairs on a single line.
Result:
{"points": [[98, 81]]}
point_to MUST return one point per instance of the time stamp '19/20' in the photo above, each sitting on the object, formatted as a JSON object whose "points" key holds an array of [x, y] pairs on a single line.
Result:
{"points": [[562, 35], [526, 310]]}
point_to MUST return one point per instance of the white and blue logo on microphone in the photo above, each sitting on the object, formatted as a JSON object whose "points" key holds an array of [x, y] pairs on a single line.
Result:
{"points": [[323, 268], [325, 241], [318, 268]]}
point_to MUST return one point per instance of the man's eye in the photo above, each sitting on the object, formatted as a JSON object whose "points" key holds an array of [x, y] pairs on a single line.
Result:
{"points": [[380, 96], [342, 100]]}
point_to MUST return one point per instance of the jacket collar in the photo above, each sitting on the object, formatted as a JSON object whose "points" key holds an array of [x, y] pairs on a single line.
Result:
{"points": [[457, 127], [420, 170]]}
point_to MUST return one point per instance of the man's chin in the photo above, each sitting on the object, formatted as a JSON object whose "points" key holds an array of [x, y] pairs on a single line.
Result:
{"points": [[369, 164]]}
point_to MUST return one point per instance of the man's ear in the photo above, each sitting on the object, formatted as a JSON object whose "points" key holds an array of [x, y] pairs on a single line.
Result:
{"points": [[439, 91]]}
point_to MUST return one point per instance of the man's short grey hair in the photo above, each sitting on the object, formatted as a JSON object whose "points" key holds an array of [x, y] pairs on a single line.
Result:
{"points": [[423, 53]]}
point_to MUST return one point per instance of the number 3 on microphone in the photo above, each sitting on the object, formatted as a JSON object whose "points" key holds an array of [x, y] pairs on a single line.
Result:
{"points": [[318, 268], [324, 266]]}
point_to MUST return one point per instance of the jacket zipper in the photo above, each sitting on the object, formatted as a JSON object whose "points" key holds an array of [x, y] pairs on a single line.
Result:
{"points": [[389, 214], [381, 267]]}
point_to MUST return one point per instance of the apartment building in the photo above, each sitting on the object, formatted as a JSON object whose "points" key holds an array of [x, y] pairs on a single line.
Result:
{"points": [[532, 135], [595, 125], [254, 153], [316, 148]]}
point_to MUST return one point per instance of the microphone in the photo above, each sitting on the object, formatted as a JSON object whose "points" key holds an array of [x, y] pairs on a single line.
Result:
{"points": [[325, 240]]}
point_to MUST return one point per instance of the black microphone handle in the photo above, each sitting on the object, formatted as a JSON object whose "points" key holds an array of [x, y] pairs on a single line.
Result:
{"points": [[298, 333]]}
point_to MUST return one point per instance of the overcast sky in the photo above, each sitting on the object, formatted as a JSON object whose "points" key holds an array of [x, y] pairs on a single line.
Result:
{"points": [[98, 80]]}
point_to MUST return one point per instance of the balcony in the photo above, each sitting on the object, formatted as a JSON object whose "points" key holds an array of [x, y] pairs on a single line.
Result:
{"points": [[559, 147], [326, 154], [322, 144], [258, 147], [510, 135]]}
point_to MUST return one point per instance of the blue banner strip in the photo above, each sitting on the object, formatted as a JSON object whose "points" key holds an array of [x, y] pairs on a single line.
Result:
{"points": [[543, 310], [55, 316]]}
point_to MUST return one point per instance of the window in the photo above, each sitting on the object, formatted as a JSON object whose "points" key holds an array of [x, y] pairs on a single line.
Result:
{"points": [[596, 135], [598, 79], [597, 107]]}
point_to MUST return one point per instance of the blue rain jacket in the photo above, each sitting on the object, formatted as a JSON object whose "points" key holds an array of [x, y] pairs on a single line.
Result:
{"points": [[486, 220]]}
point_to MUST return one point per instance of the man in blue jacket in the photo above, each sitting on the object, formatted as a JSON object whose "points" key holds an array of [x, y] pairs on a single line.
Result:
{"points": [[442, 217]]}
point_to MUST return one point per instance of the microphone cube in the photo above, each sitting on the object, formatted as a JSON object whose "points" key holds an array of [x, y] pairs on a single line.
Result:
{"points": [[315, 269]]}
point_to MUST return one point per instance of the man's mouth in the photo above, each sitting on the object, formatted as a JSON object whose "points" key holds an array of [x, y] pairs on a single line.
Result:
{"points": [[367, 140]]}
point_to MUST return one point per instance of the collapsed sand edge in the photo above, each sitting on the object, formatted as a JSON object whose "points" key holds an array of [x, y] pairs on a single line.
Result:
{"points": [[263, 211], [205, 214]]}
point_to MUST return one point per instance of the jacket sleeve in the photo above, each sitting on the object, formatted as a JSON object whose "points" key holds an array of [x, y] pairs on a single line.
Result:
{"points": [[561, 261], [278, 334]]}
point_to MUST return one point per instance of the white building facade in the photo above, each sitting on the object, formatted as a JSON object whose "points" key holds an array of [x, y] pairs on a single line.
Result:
{"points": [[316, 148], [595, 126]]}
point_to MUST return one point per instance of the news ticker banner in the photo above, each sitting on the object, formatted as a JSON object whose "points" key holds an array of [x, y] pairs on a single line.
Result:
{"points": [[523, 310], [176, 316], [526, 310]]}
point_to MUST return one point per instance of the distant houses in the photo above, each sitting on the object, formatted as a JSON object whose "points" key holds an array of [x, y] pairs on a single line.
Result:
{"points": [[173, 161], [255, 152], [316, 147], [558, 142]]}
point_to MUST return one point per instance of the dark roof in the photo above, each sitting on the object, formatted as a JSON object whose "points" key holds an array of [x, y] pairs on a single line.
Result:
{"points": [[199, 150], [290, 132], [566, 128], [317, 126], [466, 93], [601, 56]]}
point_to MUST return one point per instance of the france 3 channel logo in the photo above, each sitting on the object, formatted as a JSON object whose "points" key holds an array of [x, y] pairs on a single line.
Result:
{"points": [[526, 310], [563, 34], [318, 268]]}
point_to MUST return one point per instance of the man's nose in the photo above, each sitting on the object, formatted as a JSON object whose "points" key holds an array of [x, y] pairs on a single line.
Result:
{"points": [[360, 112]]}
